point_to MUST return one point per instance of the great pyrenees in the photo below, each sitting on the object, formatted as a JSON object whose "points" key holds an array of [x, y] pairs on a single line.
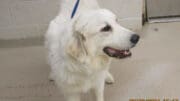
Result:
{"points": [[81, 47]]}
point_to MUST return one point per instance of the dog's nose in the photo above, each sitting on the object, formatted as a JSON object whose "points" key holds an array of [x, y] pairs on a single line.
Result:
{"points": [[134, 38]]}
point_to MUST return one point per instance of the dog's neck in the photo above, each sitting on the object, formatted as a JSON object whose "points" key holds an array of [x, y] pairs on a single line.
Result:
{"points": [[100, 62]]}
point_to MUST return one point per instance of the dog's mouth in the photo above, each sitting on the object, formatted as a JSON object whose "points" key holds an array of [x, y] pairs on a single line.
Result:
{"points": [[116, 53]]}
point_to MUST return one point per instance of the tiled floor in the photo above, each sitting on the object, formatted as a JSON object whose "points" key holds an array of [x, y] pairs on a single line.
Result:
{"points": [[152, 72]]}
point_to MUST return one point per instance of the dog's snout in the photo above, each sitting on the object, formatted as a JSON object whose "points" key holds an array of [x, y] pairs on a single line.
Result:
{"points": [[134, 38]]}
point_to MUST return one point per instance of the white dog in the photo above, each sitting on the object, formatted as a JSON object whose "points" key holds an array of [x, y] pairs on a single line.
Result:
{"points": [[80, 48]]}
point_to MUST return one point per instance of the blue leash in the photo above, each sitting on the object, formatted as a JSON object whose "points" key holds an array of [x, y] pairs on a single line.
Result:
{"points": [[75, 9]]}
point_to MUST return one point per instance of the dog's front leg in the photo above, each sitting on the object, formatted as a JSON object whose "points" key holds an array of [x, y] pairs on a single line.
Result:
{"points": [[109, 78], [99, 91]]}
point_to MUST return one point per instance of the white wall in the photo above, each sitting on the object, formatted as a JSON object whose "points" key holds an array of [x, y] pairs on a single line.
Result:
{"points": [[128, 11], [25, 18], [29, 18]]}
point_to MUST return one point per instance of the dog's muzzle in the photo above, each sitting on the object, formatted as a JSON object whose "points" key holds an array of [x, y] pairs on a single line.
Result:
{"points": [[117, 53]]}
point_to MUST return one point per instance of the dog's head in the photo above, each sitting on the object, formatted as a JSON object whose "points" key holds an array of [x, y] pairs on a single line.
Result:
{"points": [[97, 32]]}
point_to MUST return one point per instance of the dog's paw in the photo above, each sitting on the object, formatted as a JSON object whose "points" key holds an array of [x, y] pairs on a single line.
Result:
{"points": [[109, 79]]}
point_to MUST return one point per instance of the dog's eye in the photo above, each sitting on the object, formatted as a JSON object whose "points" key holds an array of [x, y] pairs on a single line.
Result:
{"points": [[107, 28]]}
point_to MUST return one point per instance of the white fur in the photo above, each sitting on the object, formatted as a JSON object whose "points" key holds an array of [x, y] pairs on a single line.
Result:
{"points": [[75, 48]]}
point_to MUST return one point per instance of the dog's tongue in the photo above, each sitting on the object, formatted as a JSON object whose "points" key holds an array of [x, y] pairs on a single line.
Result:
{"points": [[111, 50], [117, 53]]}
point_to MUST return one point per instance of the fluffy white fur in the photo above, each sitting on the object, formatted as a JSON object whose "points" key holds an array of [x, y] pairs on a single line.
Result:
{"points": [[75, 48]]}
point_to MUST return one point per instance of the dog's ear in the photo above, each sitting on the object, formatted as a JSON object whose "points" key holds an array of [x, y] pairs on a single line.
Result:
{"points": [[76, 48]]}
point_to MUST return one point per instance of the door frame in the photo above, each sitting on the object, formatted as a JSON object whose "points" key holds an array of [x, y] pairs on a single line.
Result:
{"points": [[168, 18]]}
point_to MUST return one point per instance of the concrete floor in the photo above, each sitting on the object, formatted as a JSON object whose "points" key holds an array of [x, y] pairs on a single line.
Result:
{"points": [[152, 72]]}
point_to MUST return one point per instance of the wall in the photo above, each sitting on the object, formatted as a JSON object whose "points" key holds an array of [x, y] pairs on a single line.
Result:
{"points": [[128, 11], [25, 18], [29, 18]]}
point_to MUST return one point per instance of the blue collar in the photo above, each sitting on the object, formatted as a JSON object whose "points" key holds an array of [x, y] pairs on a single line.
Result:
{"points": [[75, 9]]}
